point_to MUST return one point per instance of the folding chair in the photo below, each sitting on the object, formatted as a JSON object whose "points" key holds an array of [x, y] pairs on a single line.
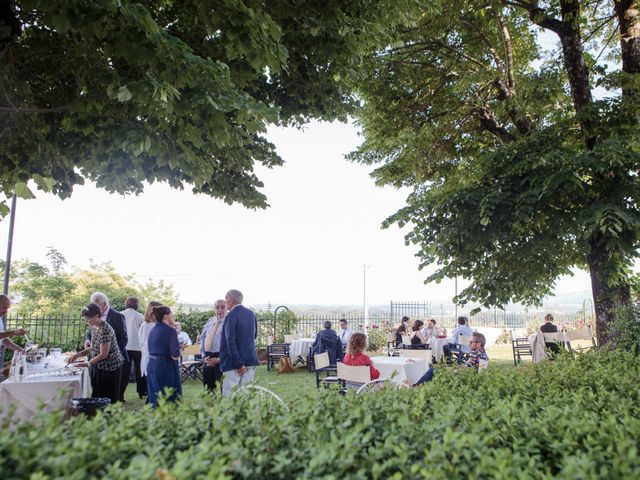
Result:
{"points": [[392, 349], [352, 377], [457, 349], [275, 352], [584, 333], [426, 354], [521, 347], [190, 368], [323, 367]]}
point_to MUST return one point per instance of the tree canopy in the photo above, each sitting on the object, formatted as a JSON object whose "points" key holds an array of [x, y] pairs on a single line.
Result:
{"points": [[518, 171], [39, 289], [121, 92]]}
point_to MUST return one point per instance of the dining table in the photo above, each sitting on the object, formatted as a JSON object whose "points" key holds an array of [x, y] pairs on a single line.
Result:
{"points": [[42, 391], [299, 349], [410, 369]]}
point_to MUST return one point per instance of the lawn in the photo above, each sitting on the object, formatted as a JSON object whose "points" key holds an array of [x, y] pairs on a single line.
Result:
{"points": [[292, 385]]}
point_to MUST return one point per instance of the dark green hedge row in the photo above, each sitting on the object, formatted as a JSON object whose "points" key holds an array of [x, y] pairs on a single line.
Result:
{"points": [[568, 419]]}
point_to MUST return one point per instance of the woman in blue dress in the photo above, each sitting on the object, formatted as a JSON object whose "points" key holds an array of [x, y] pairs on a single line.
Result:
{"points": [[164, 351]]}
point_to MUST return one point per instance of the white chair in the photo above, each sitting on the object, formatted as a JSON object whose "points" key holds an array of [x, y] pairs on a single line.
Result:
{"points": [[482, 364], [353, 377], [426, 354], [583, 333], [406, 341], [322, 364], [290, 338]]}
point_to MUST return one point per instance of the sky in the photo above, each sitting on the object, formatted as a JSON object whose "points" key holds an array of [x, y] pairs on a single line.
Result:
{"points": [[310, 247]]}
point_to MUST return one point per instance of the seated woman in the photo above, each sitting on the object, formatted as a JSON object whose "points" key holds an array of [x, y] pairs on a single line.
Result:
{"points": [[355, 357], [403, 329], [164, 351], [418, 340], [105, 358]]}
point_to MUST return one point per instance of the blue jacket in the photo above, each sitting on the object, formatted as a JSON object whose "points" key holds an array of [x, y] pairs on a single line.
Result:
{"points": [[238, 342]]}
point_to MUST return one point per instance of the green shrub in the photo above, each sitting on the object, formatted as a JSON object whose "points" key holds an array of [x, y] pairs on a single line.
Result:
{"points": [[376, 339], [563, 419]]}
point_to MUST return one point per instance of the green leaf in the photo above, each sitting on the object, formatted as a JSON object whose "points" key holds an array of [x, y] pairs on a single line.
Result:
{"points": [[23, 191], [44, 183], [124, 95]]}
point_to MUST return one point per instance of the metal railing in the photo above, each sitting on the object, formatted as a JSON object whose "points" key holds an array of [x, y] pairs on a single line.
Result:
{"points": [[66, 331]]}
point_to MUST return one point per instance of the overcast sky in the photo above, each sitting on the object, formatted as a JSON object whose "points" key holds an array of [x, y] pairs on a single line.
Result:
{"points": [[308, 248]]}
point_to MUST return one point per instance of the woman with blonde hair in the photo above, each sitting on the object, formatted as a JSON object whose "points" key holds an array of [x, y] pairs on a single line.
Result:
{"points": [[143, 335], [355, 357]]}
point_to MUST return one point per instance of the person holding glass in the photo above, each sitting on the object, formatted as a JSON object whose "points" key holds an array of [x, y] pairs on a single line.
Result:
{"points": [[163, 370], [105, 359]]}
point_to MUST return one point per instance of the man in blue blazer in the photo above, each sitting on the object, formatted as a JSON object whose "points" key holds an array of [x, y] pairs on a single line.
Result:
{"points": [[238, 358]]}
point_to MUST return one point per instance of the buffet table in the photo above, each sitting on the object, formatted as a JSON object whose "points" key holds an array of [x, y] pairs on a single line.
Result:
{"points": [[50, 392]]}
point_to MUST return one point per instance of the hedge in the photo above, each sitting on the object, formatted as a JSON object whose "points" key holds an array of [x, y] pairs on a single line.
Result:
{"points": [[566, 419]]}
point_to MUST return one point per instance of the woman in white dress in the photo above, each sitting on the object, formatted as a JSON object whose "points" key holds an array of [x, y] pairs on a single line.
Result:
{"points": [[143, 335]]}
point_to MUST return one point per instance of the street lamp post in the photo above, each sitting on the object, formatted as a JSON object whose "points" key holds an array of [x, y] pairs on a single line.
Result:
{"points": [[364, 299], [7, 265]]}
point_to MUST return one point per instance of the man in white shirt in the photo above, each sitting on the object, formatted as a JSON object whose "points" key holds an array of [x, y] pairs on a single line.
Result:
{"points": [[133, 319], [345, 332], [210, 347], [463, 329], [5, 341]]}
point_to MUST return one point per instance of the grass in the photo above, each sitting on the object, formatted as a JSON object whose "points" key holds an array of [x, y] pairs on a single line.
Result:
{"points": [[292, 385]]}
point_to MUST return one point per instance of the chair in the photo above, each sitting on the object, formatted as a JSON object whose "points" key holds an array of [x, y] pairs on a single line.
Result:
{"points": [[322, 365], [482, 364], [584, 333], [457, 349], [406, 341], [426, 354], [521, 347], [290, 338], [190, 368], [275, 352], [352, 377]]}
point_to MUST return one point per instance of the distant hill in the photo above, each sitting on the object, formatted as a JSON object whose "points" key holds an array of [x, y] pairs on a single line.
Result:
{"points": [[573, 300]]}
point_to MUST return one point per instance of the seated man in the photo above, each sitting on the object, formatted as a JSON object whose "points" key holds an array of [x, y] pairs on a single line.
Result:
{"points": [[464, 329], [549, 327], [345, 332], [470, 360], [328, 341], [183, 337]]}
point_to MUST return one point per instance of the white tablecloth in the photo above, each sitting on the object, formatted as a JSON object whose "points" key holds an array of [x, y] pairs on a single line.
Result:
{"points": [[437, 348], [300, 347], [408, 369], [28, 395]]}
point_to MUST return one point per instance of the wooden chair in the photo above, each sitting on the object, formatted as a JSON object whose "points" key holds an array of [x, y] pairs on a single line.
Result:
{"points": [[275, 352], [426, 354], [330, 372], [521, 347], [352, 377], [190, 368]]}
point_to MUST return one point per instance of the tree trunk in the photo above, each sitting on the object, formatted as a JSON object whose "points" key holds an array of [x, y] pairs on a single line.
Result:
{"points": [[628, 12], [607, 298]]}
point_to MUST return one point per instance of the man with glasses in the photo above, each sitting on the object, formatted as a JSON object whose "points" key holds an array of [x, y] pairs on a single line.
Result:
{"points": [[210, 347]]}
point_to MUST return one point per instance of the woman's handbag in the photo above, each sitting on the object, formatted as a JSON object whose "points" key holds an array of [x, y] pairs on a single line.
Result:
{"points": [[285, 366]]}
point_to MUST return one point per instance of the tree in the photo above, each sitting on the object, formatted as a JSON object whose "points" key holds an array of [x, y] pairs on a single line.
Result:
{"points": [[50, 290], [121, 92], [518, 172]]}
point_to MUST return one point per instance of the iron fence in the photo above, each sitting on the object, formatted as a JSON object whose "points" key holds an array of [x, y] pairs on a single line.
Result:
{"points": [[445, 314], [65, 331]]}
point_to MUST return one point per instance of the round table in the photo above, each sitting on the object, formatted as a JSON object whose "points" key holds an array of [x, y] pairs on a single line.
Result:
{"points": [[407, 369]]}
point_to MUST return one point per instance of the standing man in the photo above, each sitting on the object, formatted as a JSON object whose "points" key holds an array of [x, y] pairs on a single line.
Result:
{"points": [[238, 359], [5, 341], [345, 332], [133, 319], [210, 347], [117, 322]]}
